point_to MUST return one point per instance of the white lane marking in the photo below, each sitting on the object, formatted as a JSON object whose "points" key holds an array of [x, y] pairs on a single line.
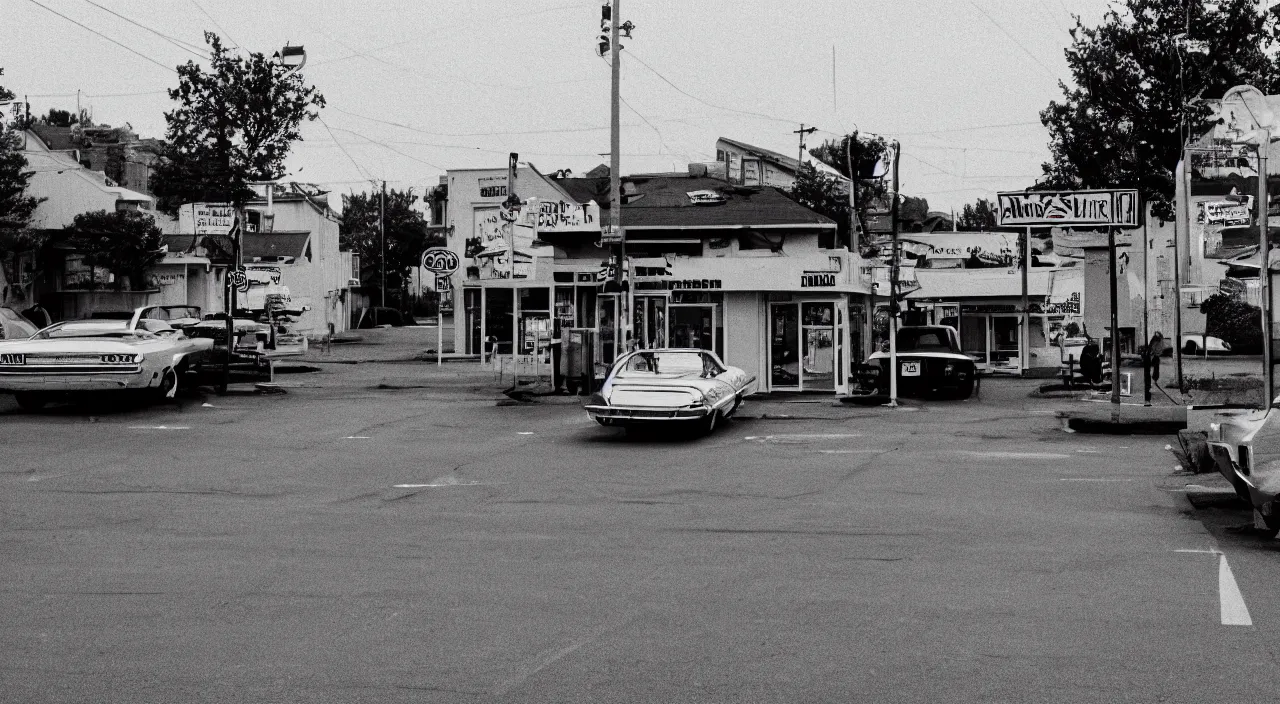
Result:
{"points": [[867, 451], [357, 437], [524, 433], [1233, 610], [1208, 489], [1091, 479], [1210, 551], [1015, 455], [802, 436], [159, 427], [207, 405], [435, 485], [1087, 452]]}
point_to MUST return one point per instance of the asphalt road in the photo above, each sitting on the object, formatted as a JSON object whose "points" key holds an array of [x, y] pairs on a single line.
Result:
{"points": [[350, 544]]}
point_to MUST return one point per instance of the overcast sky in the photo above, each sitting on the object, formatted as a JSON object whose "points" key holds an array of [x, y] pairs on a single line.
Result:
{"points": [[959, 82]]}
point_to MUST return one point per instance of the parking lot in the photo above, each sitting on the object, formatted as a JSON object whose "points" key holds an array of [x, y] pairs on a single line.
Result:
{"points": [[389, 532]]}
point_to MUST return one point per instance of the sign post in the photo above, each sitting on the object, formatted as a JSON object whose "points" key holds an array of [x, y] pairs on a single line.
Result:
{"points": [[443, 263], [1107, 209]]}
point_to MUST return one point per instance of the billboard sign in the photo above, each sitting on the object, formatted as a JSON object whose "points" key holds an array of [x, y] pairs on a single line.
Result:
{"points": [[1117, 207]]}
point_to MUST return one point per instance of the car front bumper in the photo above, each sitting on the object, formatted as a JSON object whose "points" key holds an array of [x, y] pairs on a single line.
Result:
{"points": [[68, 382]]}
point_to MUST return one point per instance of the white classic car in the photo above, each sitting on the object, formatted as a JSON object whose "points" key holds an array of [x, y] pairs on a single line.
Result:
{"points": [[1245, 447], [663, 385], [83, 356]]}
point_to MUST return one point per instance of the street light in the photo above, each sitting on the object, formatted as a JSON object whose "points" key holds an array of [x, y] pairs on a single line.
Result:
{"points": [[1258, 134]]}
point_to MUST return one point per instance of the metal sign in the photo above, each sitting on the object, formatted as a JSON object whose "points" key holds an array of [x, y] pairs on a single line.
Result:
{"points": [[439, 260], [443, 284], [240, 279], [1068, 208], [213, 218], [608, 235]]}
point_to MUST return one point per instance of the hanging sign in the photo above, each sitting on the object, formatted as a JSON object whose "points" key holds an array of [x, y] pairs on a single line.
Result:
{"points": [[1067, 208], [439, 260]]}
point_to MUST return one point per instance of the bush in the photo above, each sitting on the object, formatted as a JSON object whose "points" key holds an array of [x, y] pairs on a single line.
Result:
{"points": [[1236, 322]]}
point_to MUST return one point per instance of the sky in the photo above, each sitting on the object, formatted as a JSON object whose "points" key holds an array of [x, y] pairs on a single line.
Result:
{"points": [[415, 87]]}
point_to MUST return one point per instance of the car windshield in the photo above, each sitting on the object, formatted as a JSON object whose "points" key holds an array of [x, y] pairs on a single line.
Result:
{"points": [[927, 340], [670, 364]]}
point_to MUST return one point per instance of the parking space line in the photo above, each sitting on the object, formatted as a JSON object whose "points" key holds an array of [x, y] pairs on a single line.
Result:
{"points": [[357, 437], [1233, 610], [1014, 455], [159, 427], [1092, 479]]}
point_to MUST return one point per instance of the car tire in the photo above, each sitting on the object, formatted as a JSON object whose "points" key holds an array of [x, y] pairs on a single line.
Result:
{"points": [[710, 422], [31, 402], [737, 401], [1190, 348], [965, 389], [169, 382]]}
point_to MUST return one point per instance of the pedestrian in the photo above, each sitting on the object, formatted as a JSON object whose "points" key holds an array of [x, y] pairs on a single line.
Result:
{"points": [[1091, 363], [1155, 349]]}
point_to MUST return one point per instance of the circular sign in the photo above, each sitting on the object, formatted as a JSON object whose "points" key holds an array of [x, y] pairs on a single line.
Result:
{"points": [[439, 260], [240, 279]]}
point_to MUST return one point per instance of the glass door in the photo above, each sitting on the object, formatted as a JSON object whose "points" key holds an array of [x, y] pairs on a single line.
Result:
{"points": [[1006, 345], [650, 322], [607, 343], [784, 346], [818, 370], [973, 337]]}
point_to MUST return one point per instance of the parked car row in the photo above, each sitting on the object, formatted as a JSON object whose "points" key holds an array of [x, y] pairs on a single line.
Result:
{"points": [[1244, 445], [150, 350]]}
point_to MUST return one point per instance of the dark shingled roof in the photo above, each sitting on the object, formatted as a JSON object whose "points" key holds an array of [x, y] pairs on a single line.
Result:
{"points": [[269, 245], [663, 201]]}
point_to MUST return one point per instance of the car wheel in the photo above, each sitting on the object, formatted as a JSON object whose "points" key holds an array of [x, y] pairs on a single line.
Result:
{"points": [[709, 423], [168, 384], [604, 421], [737, 401], [965, 389], [1190, 348], [30, 402]]}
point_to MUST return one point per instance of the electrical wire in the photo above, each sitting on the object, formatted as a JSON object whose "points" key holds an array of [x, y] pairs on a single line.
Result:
{"points": [[344, 149], [222, 29], [1015, 41], [388, 147], [687, 94], [100, 34], [172, 40]]}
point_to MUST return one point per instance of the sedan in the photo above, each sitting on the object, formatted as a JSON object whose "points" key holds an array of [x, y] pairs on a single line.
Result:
{"points": [[83, 356], [688, 386], [1245, 447]]}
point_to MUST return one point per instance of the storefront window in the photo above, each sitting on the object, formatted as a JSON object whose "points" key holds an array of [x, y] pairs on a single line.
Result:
{"points": [[784, 345], [471, 306], [535, 319]]}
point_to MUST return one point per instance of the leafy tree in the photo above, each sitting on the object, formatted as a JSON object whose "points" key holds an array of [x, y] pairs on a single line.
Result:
{"points": [[234, 124], [406, 239], [1237, 323], [124, 242], [60, 118], [16, 209], [825, 194], [1138, 85], [977, 217]]}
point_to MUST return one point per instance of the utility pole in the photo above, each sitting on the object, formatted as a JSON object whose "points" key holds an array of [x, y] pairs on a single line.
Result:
{"points": [[802, 132], [1024, 359], [615, 174], [893, 285], [1115, 320], [382, 239]]}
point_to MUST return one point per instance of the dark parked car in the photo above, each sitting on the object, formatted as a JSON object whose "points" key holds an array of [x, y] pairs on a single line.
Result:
{"points": [[929, 361]]}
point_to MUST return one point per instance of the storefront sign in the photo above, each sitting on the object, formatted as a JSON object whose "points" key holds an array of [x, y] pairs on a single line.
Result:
{"points": [[1069, 306], [493, 186], [817, 279], [694, 284], [206, 218], [1225, 213], [1041, 208]]}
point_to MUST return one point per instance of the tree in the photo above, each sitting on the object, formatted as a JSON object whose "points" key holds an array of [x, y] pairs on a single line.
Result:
{"points": [[16, 210], [826, 194], [60, 118], [124, 242], [234, 124], [406, 238], [977, 217], [1138, 89], [1237, 323]]}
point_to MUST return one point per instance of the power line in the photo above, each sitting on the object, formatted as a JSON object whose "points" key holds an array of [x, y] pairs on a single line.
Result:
{"points": [[388, 147], [1015, 41], [100, 34], [471, 134], [344, 149], [685, 93], [176, 42], [222, 29], [968, 129]]}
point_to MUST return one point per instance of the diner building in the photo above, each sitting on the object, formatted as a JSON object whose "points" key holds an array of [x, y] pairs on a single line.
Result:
{"points": [[741, 270]]}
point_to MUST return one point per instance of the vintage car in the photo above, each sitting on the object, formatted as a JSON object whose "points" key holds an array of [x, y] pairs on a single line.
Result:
{"points": [[178, 317], [664, 385], [1196, 343], [82, 356], [929, 360], [1245, 447], [251, 339]]}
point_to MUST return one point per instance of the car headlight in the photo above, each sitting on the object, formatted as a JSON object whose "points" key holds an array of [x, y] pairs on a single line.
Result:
{"points": [[949, 369]]}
